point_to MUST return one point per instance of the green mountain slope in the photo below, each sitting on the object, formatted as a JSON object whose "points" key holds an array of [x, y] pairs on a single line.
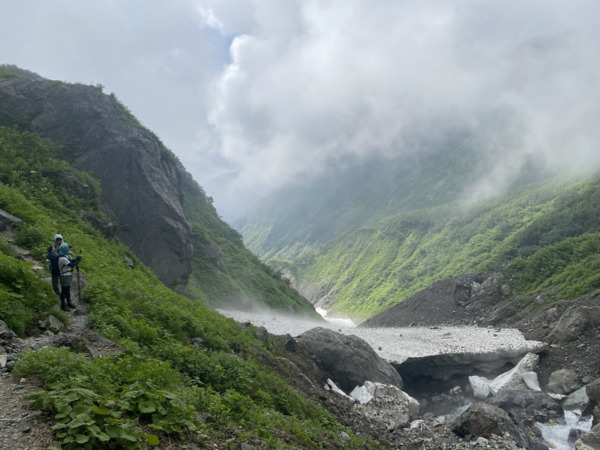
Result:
{"points": [[365, 236], [156, 207], [361, 193], [157, 392], [542, 235], [225, 273]]}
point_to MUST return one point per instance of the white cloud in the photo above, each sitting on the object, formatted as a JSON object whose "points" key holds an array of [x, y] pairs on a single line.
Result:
{"points": [[249, 93]]}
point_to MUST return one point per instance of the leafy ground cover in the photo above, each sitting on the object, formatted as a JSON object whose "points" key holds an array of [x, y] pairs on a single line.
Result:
{"points": [[161, 387]]}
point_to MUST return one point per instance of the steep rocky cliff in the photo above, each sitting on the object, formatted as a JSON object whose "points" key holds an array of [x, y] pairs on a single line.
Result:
{"points": [[139, 176]]}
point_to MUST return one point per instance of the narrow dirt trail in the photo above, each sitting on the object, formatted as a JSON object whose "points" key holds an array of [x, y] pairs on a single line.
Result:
{"points": [[20, 426], [23, 428]]}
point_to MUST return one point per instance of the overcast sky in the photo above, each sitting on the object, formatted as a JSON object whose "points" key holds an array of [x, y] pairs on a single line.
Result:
{"points": [[248, 93]]}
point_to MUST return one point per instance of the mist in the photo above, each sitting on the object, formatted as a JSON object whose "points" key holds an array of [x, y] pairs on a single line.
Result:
{"points": [[252, 94]]}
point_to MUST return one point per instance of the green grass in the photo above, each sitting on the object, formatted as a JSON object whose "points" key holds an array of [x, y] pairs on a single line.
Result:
{"points": [[162, 385]]}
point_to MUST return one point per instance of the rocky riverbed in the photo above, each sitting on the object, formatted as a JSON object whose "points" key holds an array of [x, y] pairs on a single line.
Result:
{"points": [[485, 325]]}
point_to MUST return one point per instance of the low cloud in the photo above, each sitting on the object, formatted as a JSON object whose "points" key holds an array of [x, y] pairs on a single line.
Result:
{"points": [[249, 94], [363, 77]]}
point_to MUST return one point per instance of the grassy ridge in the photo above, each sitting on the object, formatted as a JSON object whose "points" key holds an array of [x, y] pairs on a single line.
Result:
{"points": [[162, 387], [550, 225], [238, 278], [358, 193]]}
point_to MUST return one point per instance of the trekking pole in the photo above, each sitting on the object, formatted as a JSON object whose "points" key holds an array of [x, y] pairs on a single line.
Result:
{"points": [[78, 286]]}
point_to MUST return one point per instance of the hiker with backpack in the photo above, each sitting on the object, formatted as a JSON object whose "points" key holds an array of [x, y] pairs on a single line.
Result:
{"points": [[65, 266], [52, 257]]}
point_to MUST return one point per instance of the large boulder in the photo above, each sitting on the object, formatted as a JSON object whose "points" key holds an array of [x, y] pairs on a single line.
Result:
{"points": [[484, 420], [348, 360], [385, 403], [577, 400], [528, 406], [593, 391], [5, 332], [563, 382], [574, 322]]}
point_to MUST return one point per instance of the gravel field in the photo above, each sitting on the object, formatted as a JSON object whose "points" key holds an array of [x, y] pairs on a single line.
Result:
{"points": [[398, 344]]}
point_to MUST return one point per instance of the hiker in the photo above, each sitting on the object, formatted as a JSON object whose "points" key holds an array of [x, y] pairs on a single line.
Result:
{"points": [[66, 265], [52, 257]]}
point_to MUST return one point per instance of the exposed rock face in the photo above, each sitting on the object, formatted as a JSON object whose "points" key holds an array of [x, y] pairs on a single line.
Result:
{"points": [[593, 393], [140, 182], [482, 419], [348, 360], [574, 322]]}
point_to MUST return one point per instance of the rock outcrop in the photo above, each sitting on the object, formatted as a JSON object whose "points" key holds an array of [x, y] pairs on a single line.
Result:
{"points": [[348, 360], [452, 295], [485, 420], [573, 323], [138, 175], [387, 404]]}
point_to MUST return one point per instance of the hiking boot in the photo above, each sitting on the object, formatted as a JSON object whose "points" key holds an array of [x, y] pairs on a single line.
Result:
{"points": [[64, 307], [71, 305]]}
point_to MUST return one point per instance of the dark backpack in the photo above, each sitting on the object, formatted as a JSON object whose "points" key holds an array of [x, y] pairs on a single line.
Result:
{"points": [[52, 258]]}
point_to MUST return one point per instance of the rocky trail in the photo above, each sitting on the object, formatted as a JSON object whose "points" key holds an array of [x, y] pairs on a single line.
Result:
{"points": [[20, 426], [23, 428]]}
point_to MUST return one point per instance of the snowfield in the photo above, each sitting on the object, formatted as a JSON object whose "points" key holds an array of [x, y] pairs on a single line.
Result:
{"points": [[398, 344]]}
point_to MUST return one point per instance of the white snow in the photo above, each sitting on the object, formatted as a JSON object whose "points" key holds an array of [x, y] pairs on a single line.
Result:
{"points": [[398, 344]]}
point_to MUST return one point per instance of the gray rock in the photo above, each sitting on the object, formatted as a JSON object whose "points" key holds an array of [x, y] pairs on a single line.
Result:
{"points": [[344, 437], [7, 220], [348, 360], [389, 405], [563, 381], [452, 297], [573, 323], [593, 391], [483, 420], [140, 179], [5, 332], [198, 341], [590, 440], [108, 229], [523, 403], [51, 323], [576, 400]]}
